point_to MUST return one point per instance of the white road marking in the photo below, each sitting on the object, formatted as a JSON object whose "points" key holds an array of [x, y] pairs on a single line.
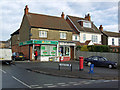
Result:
{"points": [[52, 86], [87, 83], [21, 82], [60, 83], [114, 80], [2, 71], [72, 82], [38, 87], [34, 85], [48, 84], [76, 84], [107, 80], [65, 85]]}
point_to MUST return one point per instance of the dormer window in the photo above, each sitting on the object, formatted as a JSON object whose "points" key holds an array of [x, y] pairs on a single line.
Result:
{"points": [[85, 23]]}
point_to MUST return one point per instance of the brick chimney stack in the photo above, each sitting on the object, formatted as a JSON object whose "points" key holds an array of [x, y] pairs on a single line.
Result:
{"points": [[62, 15], [101, 28], [26, 10], [87, 17]]}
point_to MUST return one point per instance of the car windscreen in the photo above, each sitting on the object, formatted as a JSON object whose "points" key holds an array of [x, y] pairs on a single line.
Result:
{"points": [[105, 59]]}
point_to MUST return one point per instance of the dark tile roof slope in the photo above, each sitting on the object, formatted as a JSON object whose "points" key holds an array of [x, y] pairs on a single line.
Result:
{"points": [[74, 19], [46, 21], [111, 34]]}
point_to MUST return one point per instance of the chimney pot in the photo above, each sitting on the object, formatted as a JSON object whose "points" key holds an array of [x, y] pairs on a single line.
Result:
{"points": [[101, 28], [26, 10], [87, 17], [62, 15]]}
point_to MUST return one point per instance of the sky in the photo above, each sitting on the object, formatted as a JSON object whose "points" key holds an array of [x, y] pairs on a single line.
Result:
{"points": [[102, 12]]}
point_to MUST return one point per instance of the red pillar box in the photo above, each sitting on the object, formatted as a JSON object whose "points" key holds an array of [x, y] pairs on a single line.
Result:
{"points": [[81, 63]]}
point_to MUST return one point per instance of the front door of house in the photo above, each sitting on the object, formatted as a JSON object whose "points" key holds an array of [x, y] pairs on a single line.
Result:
{"points": [[71, 52]]}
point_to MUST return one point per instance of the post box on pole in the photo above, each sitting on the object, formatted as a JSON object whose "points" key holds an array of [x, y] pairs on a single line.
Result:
{"points": [[81, 63]]}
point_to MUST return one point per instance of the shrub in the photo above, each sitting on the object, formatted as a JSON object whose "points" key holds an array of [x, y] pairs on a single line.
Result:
{"points": [[78, 47], [98, 48], [84, 48]]}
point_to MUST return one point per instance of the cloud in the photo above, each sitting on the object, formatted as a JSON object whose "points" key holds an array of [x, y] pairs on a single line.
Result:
{"points": [[11, 12], [113, 28]]}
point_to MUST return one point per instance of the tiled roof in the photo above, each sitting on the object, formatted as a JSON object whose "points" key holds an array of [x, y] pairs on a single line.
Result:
{"points": [[74, 19], [111, 34], [46, 21]]}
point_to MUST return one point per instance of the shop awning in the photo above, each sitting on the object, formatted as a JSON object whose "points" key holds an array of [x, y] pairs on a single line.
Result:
{"points": [[38, 42]]}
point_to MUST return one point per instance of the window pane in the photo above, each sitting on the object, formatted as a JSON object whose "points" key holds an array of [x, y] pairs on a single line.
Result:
{"points": [[62, 35]]}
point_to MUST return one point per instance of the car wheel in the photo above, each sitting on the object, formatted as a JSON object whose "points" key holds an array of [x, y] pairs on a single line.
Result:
{"points": [[110, 66], [89, 63]]}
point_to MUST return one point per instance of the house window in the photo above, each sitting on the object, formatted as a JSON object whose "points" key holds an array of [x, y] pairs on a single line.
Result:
{"points": [[112, 41], [84, 37], [87, 24], [94, 38], [75, 37], [119, 42], [62, 35], [43, 34]]}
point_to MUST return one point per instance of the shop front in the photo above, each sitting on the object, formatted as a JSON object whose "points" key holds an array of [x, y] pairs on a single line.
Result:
{"points": [[66, 51], [46, 49]]}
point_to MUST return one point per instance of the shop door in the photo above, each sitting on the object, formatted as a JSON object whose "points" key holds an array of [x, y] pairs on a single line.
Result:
{"points": [[72, 53], [38, 50]]}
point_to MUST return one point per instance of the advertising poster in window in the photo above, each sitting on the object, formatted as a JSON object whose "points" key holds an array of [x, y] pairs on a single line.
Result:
{"points": [[44, 50], [53, 50], [47, 50]]}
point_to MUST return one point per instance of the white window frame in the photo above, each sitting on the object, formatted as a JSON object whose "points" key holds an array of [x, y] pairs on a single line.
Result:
{"points": [[94, 38], [87, 24], [62, 35], [84, 37], [43, 34], [113, 41], [119, 41]]}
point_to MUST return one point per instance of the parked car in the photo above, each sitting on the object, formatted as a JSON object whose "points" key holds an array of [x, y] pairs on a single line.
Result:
{"points": [[100, 61], [18, 56]]}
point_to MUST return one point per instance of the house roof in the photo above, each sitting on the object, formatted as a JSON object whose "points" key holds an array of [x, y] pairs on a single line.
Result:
{"points": [[46, 21], [111, 34], [16, 32], [74, 19]]}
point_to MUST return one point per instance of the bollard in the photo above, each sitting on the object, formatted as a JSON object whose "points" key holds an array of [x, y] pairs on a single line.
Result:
{"points": [[91, 68], [81, 63]]}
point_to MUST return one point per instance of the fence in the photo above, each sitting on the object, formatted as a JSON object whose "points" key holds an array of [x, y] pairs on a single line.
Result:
{"points": [[110, 56]]}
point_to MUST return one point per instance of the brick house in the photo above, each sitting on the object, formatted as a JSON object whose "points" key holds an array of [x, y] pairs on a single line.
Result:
{"points": [[51, 36], [84, 30], [15, 41]]}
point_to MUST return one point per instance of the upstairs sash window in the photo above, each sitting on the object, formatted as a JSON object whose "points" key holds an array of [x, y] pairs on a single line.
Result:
{"points": [[43, 34]]}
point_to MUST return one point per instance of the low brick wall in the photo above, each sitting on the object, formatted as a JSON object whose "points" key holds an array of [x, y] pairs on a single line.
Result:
{"points": [[110, 56]]}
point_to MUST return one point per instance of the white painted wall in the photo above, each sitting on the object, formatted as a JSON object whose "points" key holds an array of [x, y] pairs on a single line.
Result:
{"points": [[73, 37], [89, 37], [116, 43]]}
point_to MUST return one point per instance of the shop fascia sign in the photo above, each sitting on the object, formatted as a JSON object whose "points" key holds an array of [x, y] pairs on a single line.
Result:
{"points": [[38, 42], [67, 44]]}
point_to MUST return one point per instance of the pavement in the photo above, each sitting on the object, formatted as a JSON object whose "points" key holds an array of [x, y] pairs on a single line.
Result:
{"points": [[52, 68]]}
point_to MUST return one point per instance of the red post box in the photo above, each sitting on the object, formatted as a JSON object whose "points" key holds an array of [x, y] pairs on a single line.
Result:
{"points": [[81, 63]]}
